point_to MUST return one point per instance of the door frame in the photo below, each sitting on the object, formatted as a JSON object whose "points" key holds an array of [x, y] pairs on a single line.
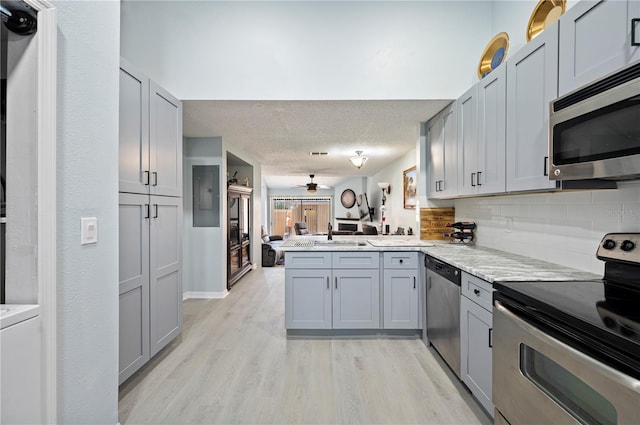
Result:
{"points": [[47, 165]]}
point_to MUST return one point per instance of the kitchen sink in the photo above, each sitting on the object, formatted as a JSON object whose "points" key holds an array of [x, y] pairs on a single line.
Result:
{"points": [[339, 243]]}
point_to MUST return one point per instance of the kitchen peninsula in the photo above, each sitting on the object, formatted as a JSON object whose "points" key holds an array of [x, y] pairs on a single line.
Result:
{"points": [[358, 286]]}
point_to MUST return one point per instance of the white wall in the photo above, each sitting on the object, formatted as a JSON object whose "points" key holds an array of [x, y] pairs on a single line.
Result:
{"points": [[203, 269], [563, 228], [307, 49], [88, 60], [396, 215]]}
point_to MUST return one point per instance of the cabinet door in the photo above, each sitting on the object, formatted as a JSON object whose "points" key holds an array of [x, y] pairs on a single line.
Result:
{"points": [[133, 130], [307, 295], [435, 146], [166, 270], [356, 299], [401, 299], [595, 39], [492, 103], [134, 283], [449, 187], [531, 84], [476, 326], [165, 135], [468, 141]]}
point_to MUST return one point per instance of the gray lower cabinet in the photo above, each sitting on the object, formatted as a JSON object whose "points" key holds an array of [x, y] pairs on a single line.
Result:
{"points": [[356, 299], [134, 283], [595, 39], [339, 290], [401, 291], [150, 275], [307, 298], [476, 327], [532, 82], [165, 288]]}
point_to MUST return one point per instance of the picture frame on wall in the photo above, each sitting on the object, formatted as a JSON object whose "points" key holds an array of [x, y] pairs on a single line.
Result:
{"points": [[410, 188]]}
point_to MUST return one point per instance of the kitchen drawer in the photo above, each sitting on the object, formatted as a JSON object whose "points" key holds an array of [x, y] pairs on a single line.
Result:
{"points": [[355, 260], [400, 260], [477, 290], [307, 260]]}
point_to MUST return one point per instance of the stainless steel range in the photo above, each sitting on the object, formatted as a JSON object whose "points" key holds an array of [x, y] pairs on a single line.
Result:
{"points": [[569, 352]]}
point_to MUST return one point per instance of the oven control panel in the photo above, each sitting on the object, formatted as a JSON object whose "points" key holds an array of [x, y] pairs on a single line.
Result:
{"points": [[620, 247]]}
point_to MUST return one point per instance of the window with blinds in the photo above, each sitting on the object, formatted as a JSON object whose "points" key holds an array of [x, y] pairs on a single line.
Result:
{"points": [[315, 211]]}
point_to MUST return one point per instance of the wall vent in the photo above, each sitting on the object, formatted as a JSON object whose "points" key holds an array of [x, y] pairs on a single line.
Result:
{"points": [[318, 153]]}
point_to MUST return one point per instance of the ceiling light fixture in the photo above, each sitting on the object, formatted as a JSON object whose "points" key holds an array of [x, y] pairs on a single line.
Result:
{"points": [[358, 160]]}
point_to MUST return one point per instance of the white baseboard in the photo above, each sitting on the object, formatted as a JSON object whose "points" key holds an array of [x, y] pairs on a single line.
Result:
{"points": [[206, 295]]}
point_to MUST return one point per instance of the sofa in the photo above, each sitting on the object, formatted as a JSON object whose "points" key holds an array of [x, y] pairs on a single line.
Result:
{"points": [[271, 255]]}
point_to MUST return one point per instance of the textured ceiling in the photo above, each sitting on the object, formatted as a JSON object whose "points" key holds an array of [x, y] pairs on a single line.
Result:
{"points": [[281, 134]]}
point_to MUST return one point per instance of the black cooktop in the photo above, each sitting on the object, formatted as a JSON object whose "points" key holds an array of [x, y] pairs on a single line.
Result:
{"points": [[595, 316]]}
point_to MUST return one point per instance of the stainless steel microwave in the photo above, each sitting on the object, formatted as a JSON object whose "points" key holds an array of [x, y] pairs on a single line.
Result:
{"points": [[595, 130]]}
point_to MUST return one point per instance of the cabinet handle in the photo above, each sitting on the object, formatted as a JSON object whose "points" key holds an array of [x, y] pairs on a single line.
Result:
{"points": [[479, 173], [414, 282], [473, 176], [477, 292], [146, 178], [634, 23], [327, 282], [155, 206], [155, 178], [336, 283], [401, 261], [544, 166], [148, 214], [490, 337]]}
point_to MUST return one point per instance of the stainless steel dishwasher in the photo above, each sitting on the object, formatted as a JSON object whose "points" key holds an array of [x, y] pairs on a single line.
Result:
{"points": [[443, 310]]}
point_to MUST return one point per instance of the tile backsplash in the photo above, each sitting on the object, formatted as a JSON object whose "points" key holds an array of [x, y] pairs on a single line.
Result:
{"points": [[560, 227]]}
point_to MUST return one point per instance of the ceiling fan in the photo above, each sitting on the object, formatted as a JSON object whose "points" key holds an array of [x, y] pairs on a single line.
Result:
{"points": [[312, 187]]}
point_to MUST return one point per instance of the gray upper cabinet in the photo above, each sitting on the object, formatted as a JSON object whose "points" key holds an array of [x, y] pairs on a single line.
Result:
{"points": [[165, 142], [467, 107], [492, 113], [134, 283], [481, 136], [134, 130], [165, 288], [150, 136], [595, 39], [442, 148], [532, 83]]}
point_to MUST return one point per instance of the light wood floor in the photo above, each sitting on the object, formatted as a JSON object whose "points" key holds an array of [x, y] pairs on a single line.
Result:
{"points": [[234, 365]]}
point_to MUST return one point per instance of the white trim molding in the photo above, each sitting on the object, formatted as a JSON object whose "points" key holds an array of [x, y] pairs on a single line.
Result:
{"points": [[47, 171], [204, 295]]}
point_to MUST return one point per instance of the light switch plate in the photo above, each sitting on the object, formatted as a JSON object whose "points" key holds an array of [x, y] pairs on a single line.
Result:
{"points": [[88, 230]]}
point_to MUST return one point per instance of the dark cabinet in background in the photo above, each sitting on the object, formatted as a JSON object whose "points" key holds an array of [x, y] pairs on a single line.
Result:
{"points": [[239, 231]]}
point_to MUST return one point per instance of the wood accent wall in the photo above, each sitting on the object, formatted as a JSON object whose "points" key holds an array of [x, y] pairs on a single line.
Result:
{"points": [[433, 222]]}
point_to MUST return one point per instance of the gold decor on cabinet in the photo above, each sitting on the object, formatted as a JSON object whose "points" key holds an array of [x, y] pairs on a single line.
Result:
{"points": [[544, 14], [494, 54]]}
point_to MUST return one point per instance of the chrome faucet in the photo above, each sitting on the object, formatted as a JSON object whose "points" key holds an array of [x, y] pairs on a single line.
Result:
{"points": [[329, 233]]}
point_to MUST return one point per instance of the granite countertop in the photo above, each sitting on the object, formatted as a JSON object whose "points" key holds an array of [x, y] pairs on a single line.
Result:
{"points": [[489, 264], [500, 266]]}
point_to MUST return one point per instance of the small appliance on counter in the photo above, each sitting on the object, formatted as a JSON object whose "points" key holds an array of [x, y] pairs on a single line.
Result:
{"points": [[569, 351], [462, 232]]}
